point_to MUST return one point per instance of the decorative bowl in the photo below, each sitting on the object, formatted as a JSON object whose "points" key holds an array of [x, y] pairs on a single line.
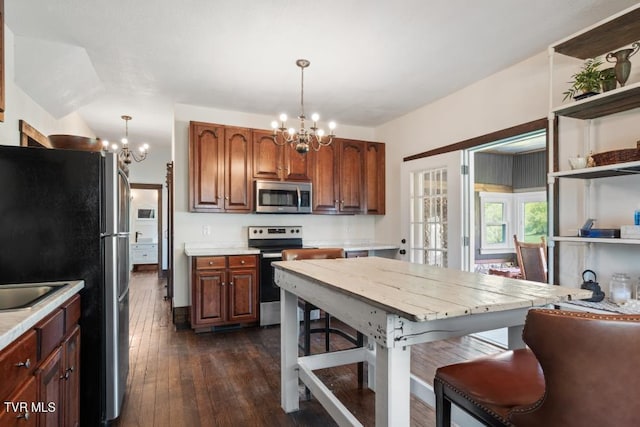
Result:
{"points": [[75, 142]]}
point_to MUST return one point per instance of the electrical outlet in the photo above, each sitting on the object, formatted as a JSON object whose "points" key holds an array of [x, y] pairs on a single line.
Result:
{"points": [[206, 230]]}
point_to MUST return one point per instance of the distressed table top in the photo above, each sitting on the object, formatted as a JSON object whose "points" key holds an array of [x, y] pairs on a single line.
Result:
{"points": [[421, 293]]}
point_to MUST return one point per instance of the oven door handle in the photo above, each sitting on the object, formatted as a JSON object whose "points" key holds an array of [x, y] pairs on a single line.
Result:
{"points": [[299, 197], [272, 255]]}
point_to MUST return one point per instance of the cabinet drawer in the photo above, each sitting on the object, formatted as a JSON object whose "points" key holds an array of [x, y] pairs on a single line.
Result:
{"points": [[19, 414], [209, 262], [242, 261], [51, 331], [14, 360], [72, 312]]}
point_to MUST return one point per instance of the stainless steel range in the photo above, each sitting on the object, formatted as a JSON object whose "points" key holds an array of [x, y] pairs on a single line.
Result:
{"points": [[272, 241]]}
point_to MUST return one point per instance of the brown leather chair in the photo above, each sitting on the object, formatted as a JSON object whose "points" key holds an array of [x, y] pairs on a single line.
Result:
{"points": [[327, 329], [532, 259], [581, 370]]}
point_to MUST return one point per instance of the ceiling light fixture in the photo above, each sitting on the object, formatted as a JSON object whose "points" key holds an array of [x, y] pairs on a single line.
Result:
{"points": [[125, 154], [302, 139]]}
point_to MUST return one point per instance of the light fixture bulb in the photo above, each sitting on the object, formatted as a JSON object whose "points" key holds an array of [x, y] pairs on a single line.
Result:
{"points": [[291, 131], [274, 124], [105, 144], [315, 117], [124, 141], [320, 132], [332, 125], [283, 117]]}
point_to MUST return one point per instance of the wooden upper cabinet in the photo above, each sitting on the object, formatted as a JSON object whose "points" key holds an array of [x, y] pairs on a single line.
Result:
{"points": [[267, 156], [375, 178], [325, 179], [278, 162], [219, 168], [206, 166], [238, 182], [351, 182], [348, 175]]}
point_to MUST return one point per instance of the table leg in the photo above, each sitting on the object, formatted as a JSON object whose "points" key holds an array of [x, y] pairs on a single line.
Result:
{"points": [[514, 337], [393, 386], [289, 399]]}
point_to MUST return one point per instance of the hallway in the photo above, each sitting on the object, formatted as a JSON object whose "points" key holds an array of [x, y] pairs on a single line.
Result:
{"points": [[180, 378]]}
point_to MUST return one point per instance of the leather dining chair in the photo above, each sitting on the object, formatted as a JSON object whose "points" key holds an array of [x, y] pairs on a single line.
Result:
{"points": [[580, 370], [327, 329], [532, 259]]}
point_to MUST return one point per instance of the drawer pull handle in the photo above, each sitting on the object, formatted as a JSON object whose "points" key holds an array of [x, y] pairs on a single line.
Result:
{"points": [[26, 364], [25, 416], [67, 373], [241, 261], [210, 262]]}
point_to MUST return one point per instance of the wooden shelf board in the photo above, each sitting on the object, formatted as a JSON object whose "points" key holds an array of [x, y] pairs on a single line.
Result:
{"points": [[619, 169], [577, 239], [606, 36], [604, 104]]}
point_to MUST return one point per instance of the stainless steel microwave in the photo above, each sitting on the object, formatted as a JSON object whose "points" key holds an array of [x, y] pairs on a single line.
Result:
{"points": [[282, 197]]}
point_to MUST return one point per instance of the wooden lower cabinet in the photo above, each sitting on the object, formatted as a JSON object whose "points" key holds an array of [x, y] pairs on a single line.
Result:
{"points": [[50, 385], [20, 414], [45, 382], [224, 290]]}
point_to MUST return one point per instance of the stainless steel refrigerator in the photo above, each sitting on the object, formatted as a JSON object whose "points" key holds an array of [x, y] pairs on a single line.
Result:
{"points": [[64, 214]]}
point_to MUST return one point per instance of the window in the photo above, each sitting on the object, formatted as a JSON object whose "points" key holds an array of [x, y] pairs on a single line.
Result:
{"points": [[504, 214], [428, 217]]}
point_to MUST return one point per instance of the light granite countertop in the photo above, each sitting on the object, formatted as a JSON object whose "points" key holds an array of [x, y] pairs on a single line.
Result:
{"points": [[209, 249], [14, 323], [357, 246]]}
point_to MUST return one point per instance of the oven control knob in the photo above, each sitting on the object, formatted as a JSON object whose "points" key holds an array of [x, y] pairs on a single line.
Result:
{"points": [[255, 231], [260, 232]]}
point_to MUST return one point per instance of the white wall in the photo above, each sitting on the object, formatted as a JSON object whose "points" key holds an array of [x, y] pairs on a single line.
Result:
{"points": [[19, 106], [230, 230]]}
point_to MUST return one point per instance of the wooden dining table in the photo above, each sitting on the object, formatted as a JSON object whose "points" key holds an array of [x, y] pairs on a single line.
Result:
{"points": [[395, 304]]}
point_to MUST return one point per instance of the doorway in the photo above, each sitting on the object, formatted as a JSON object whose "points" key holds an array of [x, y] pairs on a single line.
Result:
{"points": [[508, 197], [146, 227]]}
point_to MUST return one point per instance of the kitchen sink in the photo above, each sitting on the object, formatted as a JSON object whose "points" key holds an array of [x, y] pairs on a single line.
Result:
{"points": [[17, 297]]}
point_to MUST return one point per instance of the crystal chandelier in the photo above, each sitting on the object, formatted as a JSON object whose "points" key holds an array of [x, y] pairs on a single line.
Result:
{"points": [[125, 154], [302, 139]]}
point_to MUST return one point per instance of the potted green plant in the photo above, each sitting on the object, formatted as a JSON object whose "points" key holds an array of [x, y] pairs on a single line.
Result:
{"points": [[586, 82], [608, 79]]}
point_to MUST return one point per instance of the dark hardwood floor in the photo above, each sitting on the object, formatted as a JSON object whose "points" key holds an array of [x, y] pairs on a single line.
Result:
{"points": [[232, 378]]}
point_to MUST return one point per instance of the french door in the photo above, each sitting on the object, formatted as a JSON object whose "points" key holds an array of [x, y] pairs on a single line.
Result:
{"points": [[436, 211]]}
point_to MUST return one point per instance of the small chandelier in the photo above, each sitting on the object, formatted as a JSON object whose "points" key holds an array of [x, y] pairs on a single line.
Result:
{"points": [[125, 154], [302, 139]]}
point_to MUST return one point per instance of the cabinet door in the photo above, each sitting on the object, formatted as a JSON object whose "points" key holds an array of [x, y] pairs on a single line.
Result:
{"points": [[351, 182], [238, 172], [17, 409], [297, 167], [243, 295], [267, 156], [375, 176], [324, 179], [206, 167], [209, 298], [71, 377], [49, 376]]}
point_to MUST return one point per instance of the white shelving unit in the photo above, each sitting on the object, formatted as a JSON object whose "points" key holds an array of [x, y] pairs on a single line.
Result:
{"points": [[606, 36]]}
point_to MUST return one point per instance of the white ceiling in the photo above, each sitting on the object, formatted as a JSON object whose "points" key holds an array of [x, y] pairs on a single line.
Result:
{"points": [[371, 60]]}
